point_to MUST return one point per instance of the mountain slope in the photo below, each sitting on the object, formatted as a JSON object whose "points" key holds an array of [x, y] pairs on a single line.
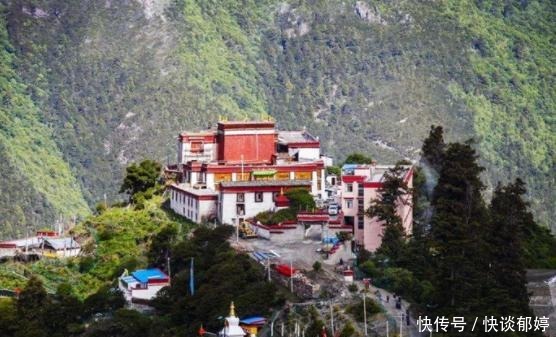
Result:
{"points": [[48, 190], [116, 80]]}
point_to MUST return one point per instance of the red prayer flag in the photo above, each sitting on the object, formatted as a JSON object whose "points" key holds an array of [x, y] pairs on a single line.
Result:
{"points": [[202, 331]]}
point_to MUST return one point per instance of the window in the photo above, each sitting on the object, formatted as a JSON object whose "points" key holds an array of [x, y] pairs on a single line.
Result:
{"points": [[240, 197], [348, 220], [275, 195], [240, 209], [349, 187], [349, 203], [258, 196], [360, 222], [360, 190], [196, 147]]}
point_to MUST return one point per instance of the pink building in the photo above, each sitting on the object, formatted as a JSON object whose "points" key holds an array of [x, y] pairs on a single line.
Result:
{"points": [[360, 185]]}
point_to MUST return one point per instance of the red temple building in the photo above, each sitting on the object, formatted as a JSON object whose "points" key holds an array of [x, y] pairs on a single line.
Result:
{"points": [[239, 169]]}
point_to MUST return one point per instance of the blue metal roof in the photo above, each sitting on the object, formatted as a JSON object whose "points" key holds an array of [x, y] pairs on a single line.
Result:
{"points": [[255, 319], [144, 275]]}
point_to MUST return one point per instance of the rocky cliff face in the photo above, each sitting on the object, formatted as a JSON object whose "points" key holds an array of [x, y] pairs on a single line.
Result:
{"points": [[114, 81]]}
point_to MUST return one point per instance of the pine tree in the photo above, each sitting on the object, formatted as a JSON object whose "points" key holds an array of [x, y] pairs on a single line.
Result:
{"points": [[432, 152], [457, 234], [394, 191], [509, 215]]}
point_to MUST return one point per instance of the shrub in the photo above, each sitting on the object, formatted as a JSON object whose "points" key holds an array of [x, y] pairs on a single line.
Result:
{"points": [[398, 280], [348, 330], [317, 266], [356, 310], [300, 200], [101, 207], [353, 288], [343, 236], [264, 217], [369, 268], [86, 264], [283, 215]]}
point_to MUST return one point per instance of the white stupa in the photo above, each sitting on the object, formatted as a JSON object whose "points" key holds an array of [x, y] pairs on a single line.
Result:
{"points": [[231, 325]]}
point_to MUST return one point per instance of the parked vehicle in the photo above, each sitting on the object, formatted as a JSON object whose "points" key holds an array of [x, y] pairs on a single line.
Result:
{"points": [[333, 209]]}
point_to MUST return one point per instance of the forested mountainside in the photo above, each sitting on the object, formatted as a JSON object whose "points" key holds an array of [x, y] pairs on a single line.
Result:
{"points": [[89, 86]]}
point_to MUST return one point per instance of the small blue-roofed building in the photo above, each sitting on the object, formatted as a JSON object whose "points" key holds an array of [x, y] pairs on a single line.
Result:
{"points": [[142, 285]]}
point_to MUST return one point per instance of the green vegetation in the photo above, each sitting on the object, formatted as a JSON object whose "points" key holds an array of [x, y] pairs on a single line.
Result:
{"points": [[104, 85], [141, 182], [358, 158], [300, 200], [394, 192], [317, 266], [270, 218], [221, 276], [47, 189], [465, 258], [512, 93], [178, 313], [371, 307], [115, 240]]}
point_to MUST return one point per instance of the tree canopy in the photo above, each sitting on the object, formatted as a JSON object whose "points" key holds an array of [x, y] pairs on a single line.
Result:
{"points": [[358, 158], [140, 177], [300, 200]]}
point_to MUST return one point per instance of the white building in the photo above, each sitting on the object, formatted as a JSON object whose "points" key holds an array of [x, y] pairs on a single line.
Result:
{"points": [[239, 200], [196, 204], [143, 284]]}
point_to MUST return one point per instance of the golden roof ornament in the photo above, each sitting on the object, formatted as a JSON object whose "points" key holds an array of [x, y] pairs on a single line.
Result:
{"points": [[232, 309]]}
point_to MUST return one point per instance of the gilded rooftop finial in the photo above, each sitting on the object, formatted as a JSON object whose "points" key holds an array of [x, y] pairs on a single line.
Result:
{"points": [[232, 309]]}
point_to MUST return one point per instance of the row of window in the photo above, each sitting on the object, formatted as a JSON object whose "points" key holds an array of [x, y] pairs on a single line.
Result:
{"points": [[259, 196], [183, 198], [190, 214]]}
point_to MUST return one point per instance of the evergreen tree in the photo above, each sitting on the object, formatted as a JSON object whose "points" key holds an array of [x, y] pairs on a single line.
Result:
{"points": [[509, 215], [394, 191], [31, 304], [432, 152], [457, 234]]}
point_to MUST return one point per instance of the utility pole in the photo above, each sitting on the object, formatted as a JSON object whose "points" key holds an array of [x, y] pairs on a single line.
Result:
{"points": [[237, 230], [332, 318], [401, 325], [268, 267], [365, 314], [169, 271], [291, 275]]}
